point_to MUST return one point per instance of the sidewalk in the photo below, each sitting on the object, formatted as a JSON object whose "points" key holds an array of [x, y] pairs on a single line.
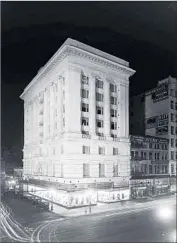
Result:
{"points": [[117, 206]]}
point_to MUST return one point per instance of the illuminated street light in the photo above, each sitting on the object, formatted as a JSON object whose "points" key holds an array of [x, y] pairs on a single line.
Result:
{"points": [[164, 213], [89, 193]]}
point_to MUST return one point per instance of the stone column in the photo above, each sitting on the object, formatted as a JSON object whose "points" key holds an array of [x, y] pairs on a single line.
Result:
{"points": [[73, 101], [122, 111], [126, 111], [60, 102], [106, 109], [92, 105], [52, 101], [45, 127]]}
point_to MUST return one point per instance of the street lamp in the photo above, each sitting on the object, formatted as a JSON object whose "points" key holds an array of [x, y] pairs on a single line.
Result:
{"points": [[52, 191], [89, 193]]}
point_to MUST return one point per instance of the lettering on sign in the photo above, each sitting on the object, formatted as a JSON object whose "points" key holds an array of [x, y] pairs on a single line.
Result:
{"points": [[160, 93]]}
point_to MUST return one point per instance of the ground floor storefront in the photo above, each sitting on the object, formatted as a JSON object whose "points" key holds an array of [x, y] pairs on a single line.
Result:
{"points": [[80, 198], [144, 188]]}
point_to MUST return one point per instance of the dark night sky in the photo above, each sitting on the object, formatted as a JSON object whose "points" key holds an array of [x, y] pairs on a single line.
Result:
{"points": [[143, 33]]}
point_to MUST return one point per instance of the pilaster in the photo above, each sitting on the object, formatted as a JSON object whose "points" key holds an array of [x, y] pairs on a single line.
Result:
{"points": [[106, 109]]}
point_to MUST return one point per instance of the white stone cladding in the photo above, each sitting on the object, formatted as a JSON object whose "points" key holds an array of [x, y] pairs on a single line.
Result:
{"points": [[53, 147]]}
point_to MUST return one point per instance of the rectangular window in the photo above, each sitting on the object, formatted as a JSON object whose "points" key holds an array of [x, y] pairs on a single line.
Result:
{"points": [[113, 88], [85, 149], [99, 123], [166, 156], [115, 151], [172, 169], [85, 107], [172, 117], [172, 104], [84, 93], [86, 170], [99, 97], [113, 125], [101, 170], [85, 80], [150, 145], [115, 170], [113, 100], [158, 156], [175, 105], [113, 113], [101, 150], [150, 155], [85, 121], [150, 169], [99, 84], [166, 169], [172, 130], [172, 142], [99, 110], [172, 155]]}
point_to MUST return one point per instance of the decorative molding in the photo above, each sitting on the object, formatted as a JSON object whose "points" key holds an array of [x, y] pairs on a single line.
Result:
{"points": [[75, 69], [74, 51]]}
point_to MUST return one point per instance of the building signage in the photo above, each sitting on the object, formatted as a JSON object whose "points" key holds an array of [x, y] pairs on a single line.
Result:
{"points": [[162, 125], [151, 122], [160, 93]]}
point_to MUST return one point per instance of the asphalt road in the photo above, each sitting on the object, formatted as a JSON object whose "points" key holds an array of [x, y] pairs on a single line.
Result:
{"points": [[124, 226], [142, 226]]}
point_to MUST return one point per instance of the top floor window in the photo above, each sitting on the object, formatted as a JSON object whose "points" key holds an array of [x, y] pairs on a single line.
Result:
{"points": [[99, 84], [85, 80], [113, 88], [86, 150]]}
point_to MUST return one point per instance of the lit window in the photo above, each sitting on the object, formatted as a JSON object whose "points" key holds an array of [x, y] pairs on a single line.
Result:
{"points": [[99, 110], [84, 93], [113, 125], [113, 113], [99, 123], [101, 150], [99, 84], [113, 88], [85, 107], [101, 170], [85, 149], [99, 97], [115, 170], [113, 100], [115, 151], [86, 170], [85, 121]]}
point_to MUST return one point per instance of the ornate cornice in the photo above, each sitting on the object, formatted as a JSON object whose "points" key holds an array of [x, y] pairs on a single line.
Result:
{"points": [[77, 52]]}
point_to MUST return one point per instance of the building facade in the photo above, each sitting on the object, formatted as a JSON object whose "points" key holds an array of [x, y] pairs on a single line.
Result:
{"points": [[76, 126], [159, 107], [149, 166]]}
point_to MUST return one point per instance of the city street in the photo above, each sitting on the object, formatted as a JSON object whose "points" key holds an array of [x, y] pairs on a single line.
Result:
{"points": [[130, 225], [142, 226]]}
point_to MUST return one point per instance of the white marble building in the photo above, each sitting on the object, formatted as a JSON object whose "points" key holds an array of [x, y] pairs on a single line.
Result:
{"points": [[76, 121]]}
